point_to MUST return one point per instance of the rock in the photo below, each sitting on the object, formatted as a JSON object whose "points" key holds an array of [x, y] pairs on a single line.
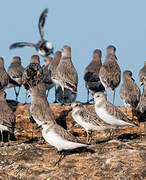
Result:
{"points": [[121, 158]]}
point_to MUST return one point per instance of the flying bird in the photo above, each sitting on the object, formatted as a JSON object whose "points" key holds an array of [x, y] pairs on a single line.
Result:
{"points": [[43, 47]]}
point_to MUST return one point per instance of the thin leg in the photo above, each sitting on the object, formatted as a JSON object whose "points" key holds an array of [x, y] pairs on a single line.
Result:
{"points": [[61, 156], [25, 96], [2, 136], [111, 133], [8, 138], [16, 93], [55, 94], [87, 96], [114, 96], [47, 93]]}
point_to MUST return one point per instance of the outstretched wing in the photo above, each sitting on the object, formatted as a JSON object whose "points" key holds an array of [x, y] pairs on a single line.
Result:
{"points": [[42, 22], [21, 44]]}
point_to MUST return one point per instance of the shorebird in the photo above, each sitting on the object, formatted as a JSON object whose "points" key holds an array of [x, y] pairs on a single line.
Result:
{"points": [[47, 78], [60, 138], [110, 73], [87, 119], [142, 74], [142, 103], [68, 96], [7, 117], [43, 47], [39, 110], [91, 74], [66, 76], [110, 113], [53, 66], [33, 73], [129, 92], [15, 71], [5, 79]]}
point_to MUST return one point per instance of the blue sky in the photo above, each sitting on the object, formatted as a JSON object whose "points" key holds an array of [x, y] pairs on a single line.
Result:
{"points": [[84, 25]]}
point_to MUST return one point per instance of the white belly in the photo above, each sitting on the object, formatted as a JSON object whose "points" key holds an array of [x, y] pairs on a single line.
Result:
{"points": [[57, 141], [109, 118], [86, 125], [38, 122], [3, 128]]}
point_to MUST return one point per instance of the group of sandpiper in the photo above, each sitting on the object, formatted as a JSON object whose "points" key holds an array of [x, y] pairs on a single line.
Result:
{"points": [[60, 71]]}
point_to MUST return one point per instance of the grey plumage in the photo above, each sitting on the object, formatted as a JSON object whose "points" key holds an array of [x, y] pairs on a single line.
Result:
{"points": [[142, 103], [110, 73], [54, 63], [110, 113], [7, 117], [15, 71], [91, 74], [47, 78], [142, 74], [43, 47], [39, 108], [87, 119], [5, 80], [66, 75], [129, 91], [52, 68], [68, 96]]}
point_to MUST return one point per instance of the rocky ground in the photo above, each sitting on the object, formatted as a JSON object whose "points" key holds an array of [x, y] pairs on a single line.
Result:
{"points": [[122, 158]]}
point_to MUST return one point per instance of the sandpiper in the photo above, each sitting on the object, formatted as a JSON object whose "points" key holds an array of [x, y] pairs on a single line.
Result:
{"points": [[5, 79], [53, 66], [87, 119], [142, 74], [91, 74], [39, 108], [43, 47], [60, 138], [110, 73], [110, 113], [129, 92], [47, 78], [142, 103], [7, 117], [33, 73], [68, 96], [66, 76], [15, 71]]}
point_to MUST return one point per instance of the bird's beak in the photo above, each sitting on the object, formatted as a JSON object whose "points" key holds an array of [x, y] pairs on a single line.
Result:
{"points": [[39, 127], [141, 84], [133, 79], [91, 100], [70, 109]]}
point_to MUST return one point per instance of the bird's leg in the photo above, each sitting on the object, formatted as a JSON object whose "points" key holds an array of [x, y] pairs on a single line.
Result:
{"points": [[16, 93], [47, 93], [61, 156], [1, 138], [87, 96], [25, 96], [8, 138], [89, 134], [111, 133], [114, 96], [55, 94]]}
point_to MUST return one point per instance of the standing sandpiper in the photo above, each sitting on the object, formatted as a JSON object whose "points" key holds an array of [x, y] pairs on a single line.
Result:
{"points": [[110, 73]]}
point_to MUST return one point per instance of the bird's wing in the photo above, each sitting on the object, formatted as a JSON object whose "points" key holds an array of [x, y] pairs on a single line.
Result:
{"points": [[41, 24], [21, 44]]}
